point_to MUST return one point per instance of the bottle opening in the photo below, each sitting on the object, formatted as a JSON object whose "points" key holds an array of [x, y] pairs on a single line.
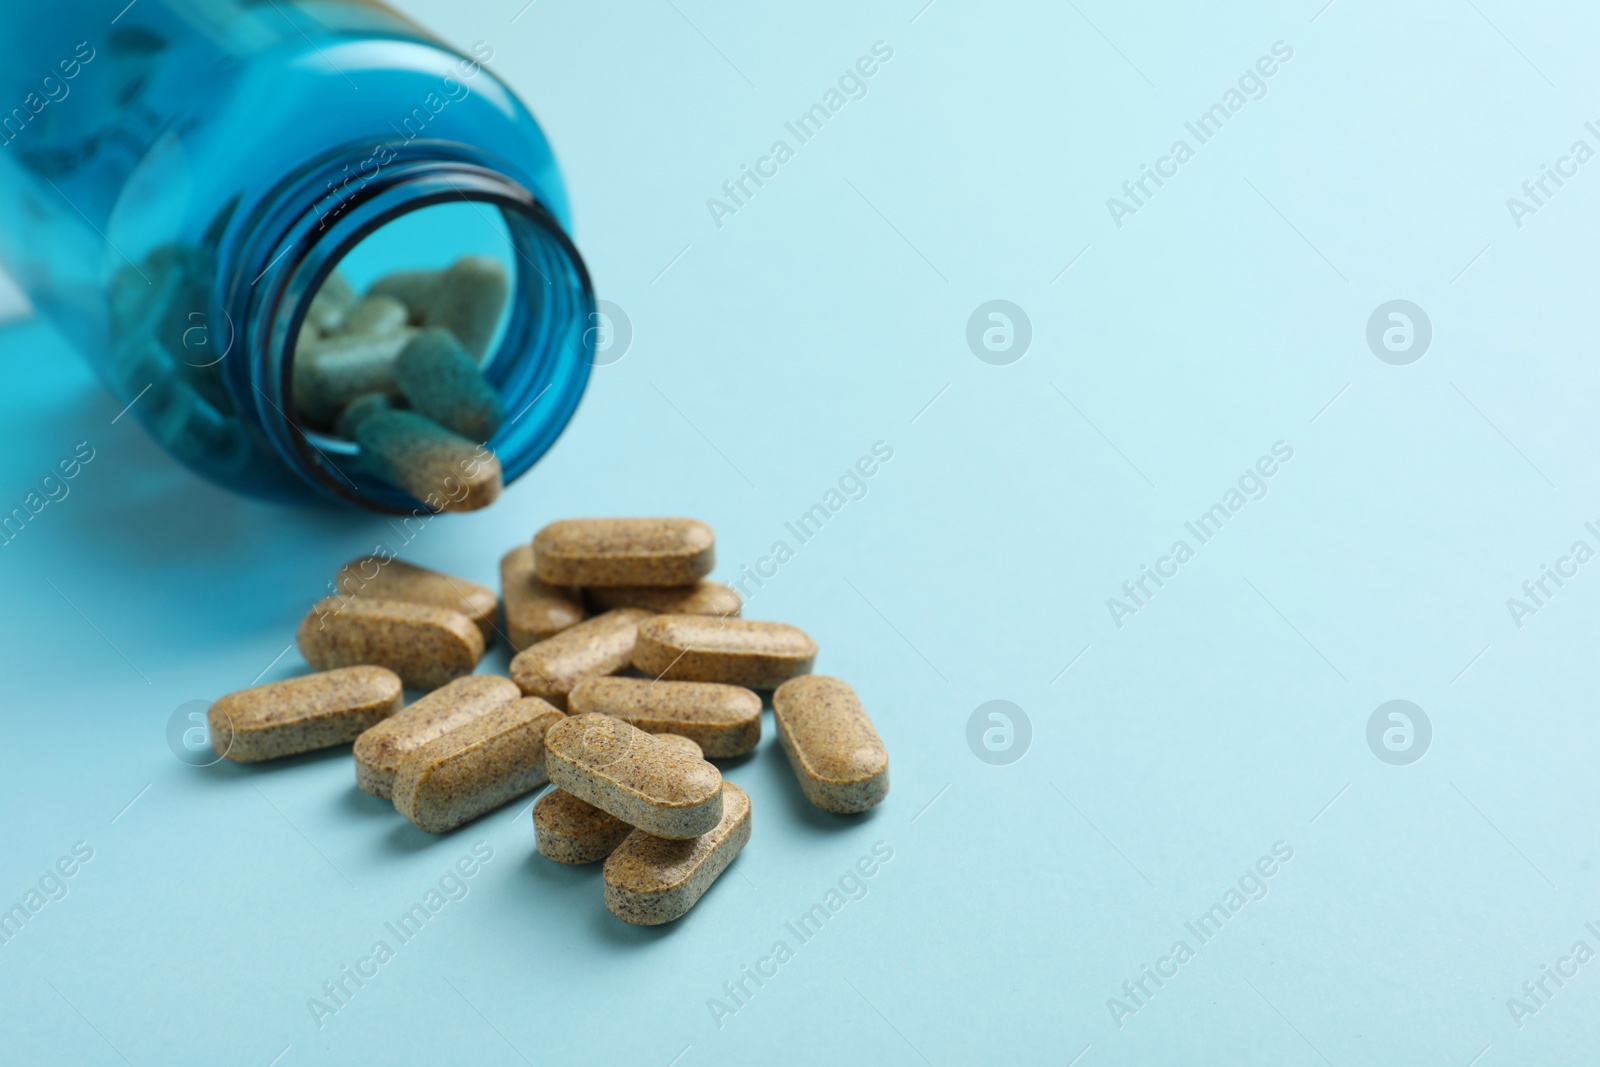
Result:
{"points": [[406, 328], [429, 343]]}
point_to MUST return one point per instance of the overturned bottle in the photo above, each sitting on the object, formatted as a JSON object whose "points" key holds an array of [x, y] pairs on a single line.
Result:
{"points": [[316, 252]]}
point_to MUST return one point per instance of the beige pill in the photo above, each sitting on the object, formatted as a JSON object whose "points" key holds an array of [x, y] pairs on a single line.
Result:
{"points": [[475, 768], [375, 577], [601, 645], [534, 610], [374, 314], [302, 714], [650, 881], [699, 648], [724, 720], [413, 288], [467, 301], [613, 552], [332, 372], [332, 301], [442, 469], [425, 645], [831, 744], [569, 830], [380, 751], [681, 743], [706, 598], [646, 783]]}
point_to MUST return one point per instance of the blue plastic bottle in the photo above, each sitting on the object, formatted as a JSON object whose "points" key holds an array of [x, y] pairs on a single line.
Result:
{"points": [[259, 142]]}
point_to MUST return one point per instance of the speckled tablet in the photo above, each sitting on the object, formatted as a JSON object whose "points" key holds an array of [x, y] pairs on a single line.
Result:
{"points": [[426, 646], [650, 880], [613, 552], [724, 720], [601, 645], [699, 648], [534, 610], [646, 783], [569, 830], [706, 598], [475, 768], [831, 744], [377, 578], [302, 714], [380, 751]]}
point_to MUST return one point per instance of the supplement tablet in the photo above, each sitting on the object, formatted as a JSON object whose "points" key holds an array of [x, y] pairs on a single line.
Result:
{"points": [[329, 373], [441, 468], [681, 743], [442, 382], [831, 744], [602, 645], [698, 648], [374, 315], [613, 552], [386, 578], [569, 830], [467, 300], [301, 714], [380, 751], [724, 720], [650, 881], [706, 598], [646, 783], [426, 646], [533, 609], [475, 768]]}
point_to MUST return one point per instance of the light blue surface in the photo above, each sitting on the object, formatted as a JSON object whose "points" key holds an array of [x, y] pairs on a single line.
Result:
{"points": [[1228, 714]]}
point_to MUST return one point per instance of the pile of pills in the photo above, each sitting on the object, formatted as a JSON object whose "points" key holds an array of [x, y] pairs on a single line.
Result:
{"points": [[628, 755], [397, 371]]}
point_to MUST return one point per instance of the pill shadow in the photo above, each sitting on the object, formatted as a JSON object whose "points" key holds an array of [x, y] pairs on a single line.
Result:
{"points": [[357, 801], [550, 876], [732, 763], [229, 770], [613, 931], [404, 839], [808, 812]]}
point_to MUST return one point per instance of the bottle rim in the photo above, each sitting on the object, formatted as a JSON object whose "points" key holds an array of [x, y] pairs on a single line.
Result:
{"points": [[540, 366]]}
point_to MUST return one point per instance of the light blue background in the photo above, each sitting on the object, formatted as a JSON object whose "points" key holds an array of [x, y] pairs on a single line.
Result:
{"points": [[769, 354]]}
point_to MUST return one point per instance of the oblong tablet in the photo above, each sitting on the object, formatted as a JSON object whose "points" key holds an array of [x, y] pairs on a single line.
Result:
{"points": [[475, 768], [380, 751], [386, 578], [302, 714], [444, 383], [611, 552], [682, 744], [569, 830], [646, 783], [831, 744], [724, 720], [699, 648], [426, 646], [706, 598], [535, 610], [601, 645], [650, 880], [442, 469]]}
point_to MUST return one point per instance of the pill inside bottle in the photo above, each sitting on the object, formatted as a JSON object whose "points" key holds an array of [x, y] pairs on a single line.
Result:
{"points": [[409, 366]]}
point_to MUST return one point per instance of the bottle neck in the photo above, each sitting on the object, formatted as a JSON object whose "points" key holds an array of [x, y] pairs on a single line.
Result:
{"points": [[283, 253]]}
